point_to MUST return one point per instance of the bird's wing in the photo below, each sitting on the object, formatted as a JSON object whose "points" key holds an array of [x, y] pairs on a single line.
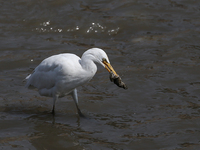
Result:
{"points": [[51, 70]]}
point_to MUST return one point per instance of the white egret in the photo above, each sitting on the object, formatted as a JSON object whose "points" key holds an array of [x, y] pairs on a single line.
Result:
{"points": [[60, 75]]}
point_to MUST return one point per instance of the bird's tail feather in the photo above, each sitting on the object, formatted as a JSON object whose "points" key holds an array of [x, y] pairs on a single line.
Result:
{"points": [[28, 77], [27, 82]]}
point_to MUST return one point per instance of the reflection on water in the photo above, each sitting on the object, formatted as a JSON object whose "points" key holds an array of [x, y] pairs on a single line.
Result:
{"points": [[153, 45], [93, 28]]}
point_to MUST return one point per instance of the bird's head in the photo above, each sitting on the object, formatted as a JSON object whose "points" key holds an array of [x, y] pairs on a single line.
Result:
{"points": [[97, 55]]}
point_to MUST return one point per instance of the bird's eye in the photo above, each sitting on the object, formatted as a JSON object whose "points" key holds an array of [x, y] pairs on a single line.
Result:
{"points": [[104, 60]]}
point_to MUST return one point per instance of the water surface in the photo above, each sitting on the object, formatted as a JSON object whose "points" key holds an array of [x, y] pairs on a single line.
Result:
{"points": [[153, 45]]}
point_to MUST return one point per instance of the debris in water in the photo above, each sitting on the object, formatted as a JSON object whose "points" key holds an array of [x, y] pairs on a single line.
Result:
{"points": [[117, 80]]}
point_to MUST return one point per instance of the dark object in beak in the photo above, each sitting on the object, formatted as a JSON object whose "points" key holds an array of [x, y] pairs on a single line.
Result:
{"points": [[117, 80]]}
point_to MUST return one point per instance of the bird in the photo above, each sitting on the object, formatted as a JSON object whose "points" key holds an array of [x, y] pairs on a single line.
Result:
{"points": [[60, 75]]}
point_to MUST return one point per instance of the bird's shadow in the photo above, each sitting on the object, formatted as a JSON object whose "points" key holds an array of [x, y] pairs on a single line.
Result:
{"points": [[37, 115]]}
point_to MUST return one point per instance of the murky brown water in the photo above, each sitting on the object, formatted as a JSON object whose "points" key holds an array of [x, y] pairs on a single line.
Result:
{"points": [[152, 44]]}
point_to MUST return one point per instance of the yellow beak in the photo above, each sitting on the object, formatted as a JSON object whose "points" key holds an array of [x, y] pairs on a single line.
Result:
{"points": [[109, 67]]}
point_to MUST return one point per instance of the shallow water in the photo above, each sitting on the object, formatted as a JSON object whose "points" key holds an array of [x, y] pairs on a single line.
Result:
{"points": [[153, 45]]}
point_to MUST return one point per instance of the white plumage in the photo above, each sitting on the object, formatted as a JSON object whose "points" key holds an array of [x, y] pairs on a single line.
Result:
{"points": [[59, 75]]}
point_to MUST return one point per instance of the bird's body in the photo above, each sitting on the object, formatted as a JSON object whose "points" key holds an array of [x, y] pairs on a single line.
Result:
{"points": [[60, 75]]}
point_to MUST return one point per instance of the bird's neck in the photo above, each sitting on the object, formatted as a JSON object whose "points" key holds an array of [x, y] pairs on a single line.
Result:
{"points": [[88, 64]]}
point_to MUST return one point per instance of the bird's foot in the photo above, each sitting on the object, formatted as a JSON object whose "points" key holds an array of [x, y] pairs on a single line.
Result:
{"points": [[53, 112], [81, 114]]}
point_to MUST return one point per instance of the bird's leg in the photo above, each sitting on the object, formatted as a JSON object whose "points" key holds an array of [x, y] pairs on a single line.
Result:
{"points": [[75, 97], [54, 102], [53, 110]]}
